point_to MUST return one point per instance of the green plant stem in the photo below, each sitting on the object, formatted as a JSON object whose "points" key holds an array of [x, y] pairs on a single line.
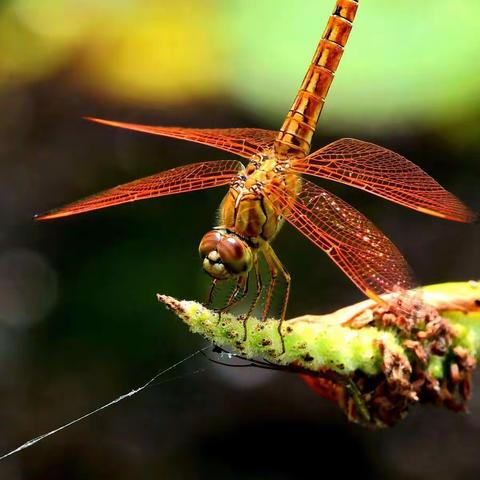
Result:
{"points": [[327, 342]]}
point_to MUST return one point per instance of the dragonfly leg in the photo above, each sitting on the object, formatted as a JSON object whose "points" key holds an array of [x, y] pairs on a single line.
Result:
{"points": [[234, 298], [271, 289], [210, 293], [276, 267], [258, 292]]}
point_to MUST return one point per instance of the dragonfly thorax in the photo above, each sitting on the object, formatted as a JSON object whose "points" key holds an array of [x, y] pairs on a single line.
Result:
{"points": [[225, 255], [247, 210]]}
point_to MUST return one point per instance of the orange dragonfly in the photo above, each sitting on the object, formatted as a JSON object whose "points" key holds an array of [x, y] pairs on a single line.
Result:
{"points": [[270, 189]]}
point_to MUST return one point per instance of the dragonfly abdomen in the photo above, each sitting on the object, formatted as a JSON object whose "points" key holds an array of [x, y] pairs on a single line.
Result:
{"points": [[294, 138]]}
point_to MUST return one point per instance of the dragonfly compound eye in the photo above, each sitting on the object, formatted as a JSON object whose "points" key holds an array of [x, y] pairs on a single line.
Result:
{"points": [[212, 262], [209, 243], [235, 254]]}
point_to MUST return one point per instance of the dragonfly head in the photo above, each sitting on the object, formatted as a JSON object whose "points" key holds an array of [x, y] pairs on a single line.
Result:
{"points": [[225, 255]]}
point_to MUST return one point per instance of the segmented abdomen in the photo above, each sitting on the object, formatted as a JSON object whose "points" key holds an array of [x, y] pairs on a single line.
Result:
{"points": [[294, 138]]}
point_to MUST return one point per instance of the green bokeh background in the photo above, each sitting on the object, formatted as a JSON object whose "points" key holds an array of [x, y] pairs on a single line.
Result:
{"points": [[79, 323]]}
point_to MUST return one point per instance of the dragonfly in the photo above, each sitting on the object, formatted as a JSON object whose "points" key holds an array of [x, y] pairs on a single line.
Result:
{"points": [[271, 189]]}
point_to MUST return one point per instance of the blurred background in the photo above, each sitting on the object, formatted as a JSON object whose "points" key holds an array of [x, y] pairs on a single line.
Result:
{"points": [[79, 322]]}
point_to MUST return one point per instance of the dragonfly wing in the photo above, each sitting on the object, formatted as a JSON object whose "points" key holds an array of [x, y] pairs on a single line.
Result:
{"points": [[364, 253], [384, 173], [196, 176], [244, 142]]}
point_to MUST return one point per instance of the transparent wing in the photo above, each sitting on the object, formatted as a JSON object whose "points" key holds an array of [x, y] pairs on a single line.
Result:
{"points": [[244, 142], [384, 173], [364, 253], [196, 176]]}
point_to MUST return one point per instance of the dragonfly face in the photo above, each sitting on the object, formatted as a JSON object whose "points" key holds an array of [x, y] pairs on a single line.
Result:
{"points": [[225, 255]]}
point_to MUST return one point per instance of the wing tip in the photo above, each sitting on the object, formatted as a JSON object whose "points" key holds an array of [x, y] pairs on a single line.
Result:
{"points": [[40, 217], [462, 215], [98, 120], [473, 218], [125, 125]]}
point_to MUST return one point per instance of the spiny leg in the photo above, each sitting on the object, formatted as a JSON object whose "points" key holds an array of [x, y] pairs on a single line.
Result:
{"points": [[242, 283], [234, 298], [276, 266], [210, 293], [258, 292], [271, 287]]}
